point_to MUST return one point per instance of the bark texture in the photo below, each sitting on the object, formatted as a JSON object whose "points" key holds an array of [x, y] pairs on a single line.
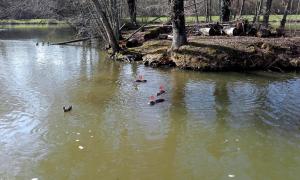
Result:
{"points": [[267, 13], [225, 10], [132, 11], [286, 12], [178, 24], [242, 8], [107, 27]]}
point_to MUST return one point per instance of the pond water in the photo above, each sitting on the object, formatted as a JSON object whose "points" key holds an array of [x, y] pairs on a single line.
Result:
{"points": [[211, 126]]}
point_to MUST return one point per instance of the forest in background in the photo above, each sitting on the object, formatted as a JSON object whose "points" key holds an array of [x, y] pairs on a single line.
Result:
{"points": [[29, 9]]}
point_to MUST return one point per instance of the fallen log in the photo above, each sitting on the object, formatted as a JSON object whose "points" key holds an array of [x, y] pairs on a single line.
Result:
{"points": [[210, 31], [206, 31], [165, 36], [76, 40], [231, 31]]}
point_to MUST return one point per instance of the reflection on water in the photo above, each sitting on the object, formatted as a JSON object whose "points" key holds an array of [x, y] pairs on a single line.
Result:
{"points": [[212, 125]]}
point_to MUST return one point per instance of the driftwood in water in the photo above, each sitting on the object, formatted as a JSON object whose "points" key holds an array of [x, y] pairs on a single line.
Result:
{"points": [[139, 29], [76, 40], [231, 31]]}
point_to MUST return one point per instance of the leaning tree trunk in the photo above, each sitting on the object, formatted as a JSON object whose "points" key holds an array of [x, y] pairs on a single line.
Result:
{"points": [[286, 11], [267, 13], [178, 24], [107, 27], [132, 11], [242, 8], [225, 10]]}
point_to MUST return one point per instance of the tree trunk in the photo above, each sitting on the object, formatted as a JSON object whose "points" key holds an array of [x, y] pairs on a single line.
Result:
{"points": [[242, 8], [286, 11], [107, 27], [256, 11], [207, 10], [236, 9], [260, 10], [178, 23], [132, 11], [267, 13], [225, 10], [220, 10], [196, 12], [210, 11]]}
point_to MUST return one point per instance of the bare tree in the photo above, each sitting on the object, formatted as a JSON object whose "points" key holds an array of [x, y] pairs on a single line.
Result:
{"points": [[286, 11], [132, 11], [207, 10], [178, 23], [258, 8], [267, 12], [225, 10], [112, 40], [242, 8], [236, 9]]}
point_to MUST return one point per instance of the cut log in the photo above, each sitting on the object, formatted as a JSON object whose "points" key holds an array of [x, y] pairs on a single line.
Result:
{"points": [[231, 31], [210, 31], [165, 36], [206, 31]]}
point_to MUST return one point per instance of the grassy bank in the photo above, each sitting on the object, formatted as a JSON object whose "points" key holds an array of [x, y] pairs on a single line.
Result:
{"points": [[30, 21]]}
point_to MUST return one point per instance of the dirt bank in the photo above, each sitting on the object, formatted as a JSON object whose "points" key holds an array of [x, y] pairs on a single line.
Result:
{"points": [[222, 54]]}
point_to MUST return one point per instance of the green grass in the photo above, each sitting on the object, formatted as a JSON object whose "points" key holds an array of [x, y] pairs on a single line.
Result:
{"points": [[29, 21]]}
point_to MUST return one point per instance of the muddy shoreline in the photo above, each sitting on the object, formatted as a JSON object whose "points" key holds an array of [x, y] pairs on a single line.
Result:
{"points": [[219, 53]]}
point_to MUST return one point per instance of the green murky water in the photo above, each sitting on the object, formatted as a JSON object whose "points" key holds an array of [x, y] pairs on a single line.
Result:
{"points": [[212, 125]]}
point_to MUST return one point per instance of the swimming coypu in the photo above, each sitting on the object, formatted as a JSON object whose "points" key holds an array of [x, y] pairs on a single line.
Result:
{"points": [[154, 101], [161, 90], [67, 109], [159, 100], [141, 80]]}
